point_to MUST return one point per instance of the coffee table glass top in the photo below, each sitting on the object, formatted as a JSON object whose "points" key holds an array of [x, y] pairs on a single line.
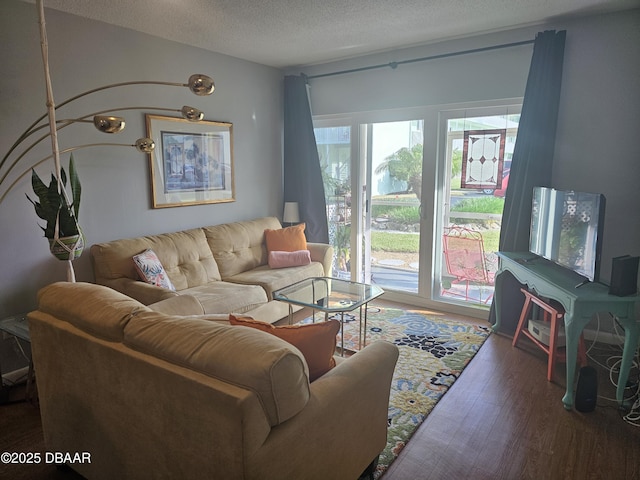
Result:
{"points": [[328, 294]]}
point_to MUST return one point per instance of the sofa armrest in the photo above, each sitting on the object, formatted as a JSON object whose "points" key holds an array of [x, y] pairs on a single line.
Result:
{"points": [[323, 253], [345, 418], [143, 292]]}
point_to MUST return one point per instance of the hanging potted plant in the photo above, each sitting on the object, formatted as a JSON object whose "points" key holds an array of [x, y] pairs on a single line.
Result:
{"points": [[66, 240]]}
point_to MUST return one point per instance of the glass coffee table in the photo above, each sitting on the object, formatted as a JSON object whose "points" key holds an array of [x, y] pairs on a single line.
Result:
{"points": [[331, 296]]}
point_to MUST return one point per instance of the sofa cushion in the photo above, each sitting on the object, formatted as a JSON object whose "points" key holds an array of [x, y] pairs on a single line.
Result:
{"points": [[227, 297], [273, 279], [151, 270], [239, 246], [178, 305], [287, 239], [262, 363], [95, 309], [316, 341]]}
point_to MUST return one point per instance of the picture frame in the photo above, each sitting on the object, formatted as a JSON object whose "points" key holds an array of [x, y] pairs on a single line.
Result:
{"points": [[192, 163]]}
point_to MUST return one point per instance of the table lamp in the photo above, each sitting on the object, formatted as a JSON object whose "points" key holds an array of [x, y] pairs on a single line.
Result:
{"points": [[291, 213]]}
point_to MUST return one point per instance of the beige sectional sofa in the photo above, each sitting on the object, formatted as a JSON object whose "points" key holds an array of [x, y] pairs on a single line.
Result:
{"points": [[224, 266], [152, 395]]}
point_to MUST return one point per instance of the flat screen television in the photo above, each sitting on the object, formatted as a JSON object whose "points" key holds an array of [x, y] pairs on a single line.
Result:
{"points": [[566, 228]]}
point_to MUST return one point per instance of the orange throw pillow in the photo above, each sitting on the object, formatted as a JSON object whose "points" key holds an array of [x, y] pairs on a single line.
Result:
{"points": [[289, 239], [316, 341]]}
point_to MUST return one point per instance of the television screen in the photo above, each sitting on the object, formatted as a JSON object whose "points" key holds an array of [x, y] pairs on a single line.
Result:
{"points": [[566, 228]]}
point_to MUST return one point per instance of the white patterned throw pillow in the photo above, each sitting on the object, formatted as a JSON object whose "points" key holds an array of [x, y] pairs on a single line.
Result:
{"points": [[151, 270]]}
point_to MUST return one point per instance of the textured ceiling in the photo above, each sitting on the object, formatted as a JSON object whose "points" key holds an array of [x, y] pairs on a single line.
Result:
{"points": [[286, 33]]}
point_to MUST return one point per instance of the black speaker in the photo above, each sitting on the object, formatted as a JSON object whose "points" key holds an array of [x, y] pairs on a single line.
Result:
{"points": [[624, 276], [587, 390]]}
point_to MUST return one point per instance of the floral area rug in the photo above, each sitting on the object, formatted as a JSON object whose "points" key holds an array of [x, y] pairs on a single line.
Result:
{"points": [[433, 353]]}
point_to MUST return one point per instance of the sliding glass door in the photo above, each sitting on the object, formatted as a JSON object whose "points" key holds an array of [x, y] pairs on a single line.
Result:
{"points": [[477, 160], [393, 183], [334, 150], [375, 232], [396, 192]]}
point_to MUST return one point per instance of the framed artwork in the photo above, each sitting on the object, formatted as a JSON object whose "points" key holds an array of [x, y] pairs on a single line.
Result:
{"points": [[483, 158], [192, 163]]}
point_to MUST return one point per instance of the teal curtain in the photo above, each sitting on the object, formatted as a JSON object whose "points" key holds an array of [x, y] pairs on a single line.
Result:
{"points": [[302, 174], [532, 161]]}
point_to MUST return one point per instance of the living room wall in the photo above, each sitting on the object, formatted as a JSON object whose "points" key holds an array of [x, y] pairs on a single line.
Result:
{"points": [[116, 202], [594, 149], [599, 104]]}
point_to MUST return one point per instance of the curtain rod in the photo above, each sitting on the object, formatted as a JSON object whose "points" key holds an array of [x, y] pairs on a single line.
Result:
{"points": [[394, 65]]}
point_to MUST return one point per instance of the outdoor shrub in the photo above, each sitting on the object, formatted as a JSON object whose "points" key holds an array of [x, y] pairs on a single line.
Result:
{"points": [[488, 204], [406, 215]]}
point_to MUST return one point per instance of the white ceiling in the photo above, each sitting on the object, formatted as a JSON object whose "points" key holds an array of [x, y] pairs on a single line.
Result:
{"points": [[286, 33]]}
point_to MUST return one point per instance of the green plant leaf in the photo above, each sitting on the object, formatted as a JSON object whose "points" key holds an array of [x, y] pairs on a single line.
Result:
{"points": [[39, 188], [52, 206], [76, 187]]}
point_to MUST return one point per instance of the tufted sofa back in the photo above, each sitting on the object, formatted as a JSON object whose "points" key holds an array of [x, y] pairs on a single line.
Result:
{"points": [[239, 247], [185, 256]]}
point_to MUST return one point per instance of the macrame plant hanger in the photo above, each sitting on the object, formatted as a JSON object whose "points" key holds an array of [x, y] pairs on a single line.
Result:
{"points": [[51, 113]]}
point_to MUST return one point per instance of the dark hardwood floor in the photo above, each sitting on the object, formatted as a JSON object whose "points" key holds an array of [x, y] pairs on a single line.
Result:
{"points": [[500, 420]]}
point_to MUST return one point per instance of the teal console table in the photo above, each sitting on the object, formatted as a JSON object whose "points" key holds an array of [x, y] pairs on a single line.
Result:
{"points": [[580, 304]]}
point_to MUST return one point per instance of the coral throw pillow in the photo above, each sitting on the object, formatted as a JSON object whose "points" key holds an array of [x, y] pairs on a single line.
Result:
{"points": [[289, 239], [316, 341], [151, 270], [279, 259]]}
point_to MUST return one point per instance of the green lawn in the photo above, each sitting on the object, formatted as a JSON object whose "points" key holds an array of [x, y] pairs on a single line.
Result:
{"points": [[409, 243], [395, 242]]}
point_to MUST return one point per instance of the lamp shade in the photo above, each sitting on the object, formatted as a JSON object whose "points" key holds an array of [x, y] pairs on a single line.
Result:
{"points": [[291, 213]]}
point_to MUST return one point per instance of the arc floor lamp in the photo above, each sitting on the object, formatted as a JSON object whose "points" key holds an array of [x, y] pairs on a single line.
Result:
{"points": [[15, 164]]}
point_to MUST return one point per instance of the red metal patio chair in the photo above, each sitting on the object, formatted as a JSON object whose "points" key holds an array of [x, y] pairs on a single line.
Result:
{"points": [[466, 260]]}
